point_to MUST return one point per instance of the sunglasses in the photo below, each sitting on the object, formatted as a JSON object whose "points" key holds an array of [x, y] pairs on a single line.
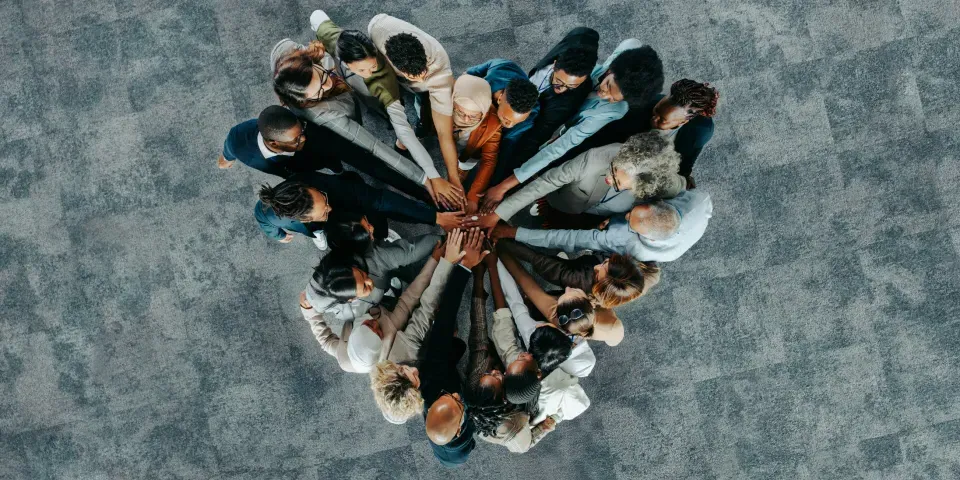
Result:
{"points": [[575, 315]]}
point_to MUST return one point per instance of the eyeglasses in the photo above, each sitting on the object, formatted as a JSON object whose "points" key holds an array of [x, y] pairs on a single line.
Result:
{"points": [[613, 175], [463, 409], [562, 86], [324, 76], [303, 134], [576, 314]]}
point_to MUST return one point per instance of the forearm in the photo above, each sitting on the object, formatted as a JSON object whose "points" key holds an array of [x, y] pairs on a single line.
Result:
{"points": [[544, 302], [484, 173], [439, 341], [403, 209], [496, 289], [480, 360], [448, 147], [360, 136], [567, 240], [325, 337], [407, 136], [521, 316]]}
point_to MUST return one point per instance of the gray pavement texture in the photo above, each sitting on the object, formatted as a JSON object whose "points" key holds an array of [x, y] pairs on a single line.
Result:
{"points": [[149, 330]]}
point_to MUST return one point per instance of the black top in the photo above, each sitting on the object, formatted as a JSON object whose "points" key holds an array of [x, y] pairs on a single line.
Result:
{"points": [[241, 144]]}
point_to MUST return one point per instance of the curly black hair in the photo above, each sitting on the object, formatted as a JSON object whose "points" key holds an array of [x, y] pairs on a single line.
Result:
{"points": [[700, 97], [639, 74], [407, 54], [577, 61], [521, 95], [550, 347], [289, 199], [488, 418]]}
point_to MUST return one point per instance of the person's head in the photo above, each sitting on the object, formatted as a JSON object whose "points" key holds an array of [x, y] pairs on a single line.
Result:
{"points": [[281, 130], [363, 346], [642, 164], [300, 80], [349, 232], [488, 408], [471, 101], [618, 281], [635, 76], [396, 390], [515, 102], [572, 68], [575, 312], [356, 50], [549, 346], [656, 220], [407, 54], [521, 380], [343, 277], [687, 100], [445, 418], [294, 199]]}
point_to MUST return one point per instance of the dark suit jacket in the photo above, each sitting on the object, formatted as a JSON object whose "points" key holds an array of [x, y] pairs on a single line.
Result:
{"points": [[576, 273], [241, 144], [555, 109], [348, 193]]}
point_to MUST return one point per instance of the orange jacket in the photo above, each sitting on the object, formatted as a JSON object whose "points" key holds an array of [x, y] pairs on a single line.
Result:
{"points": [[484, 143]]}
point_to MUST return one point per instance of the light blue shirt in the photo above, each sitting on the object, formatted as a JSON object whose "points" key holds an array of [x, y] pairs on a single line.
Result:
{"points": [[694, 206], [592, 116]]}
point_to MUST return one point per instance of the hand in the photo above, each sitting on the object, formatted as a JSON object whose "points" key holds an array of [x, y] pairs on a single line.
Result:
{"points": [[472, 207], [223, 163], [548, 425], [449, 220], [316, 49], [304, 304], [603, 224], [503, 230], [454, 239], [492, 198], [449, 195], [485, 222], [438, 250], [472, 249], [287, 239], [690, 183], [431, 192]]}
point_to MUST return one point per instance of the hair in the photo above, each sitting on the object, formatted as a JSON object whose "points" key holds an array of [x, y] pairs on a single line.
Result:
{"points": [[407, 54], [651, 275], [333, 276], [394, 392], [274, 121], [288, 199], [639, 74], [577, 61], [582, 326], [696, 96], [662, 222], [488, 418], [522, 387], [550, 347], [354, 45], [624, 282], [521, 95], [294, 72], [651, 160], [345, 233]]}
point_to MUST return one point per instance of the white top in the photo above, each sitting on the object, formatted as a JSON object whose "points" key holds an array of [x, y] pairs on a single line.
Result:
{"points": [[266, 152], [542, 78]]}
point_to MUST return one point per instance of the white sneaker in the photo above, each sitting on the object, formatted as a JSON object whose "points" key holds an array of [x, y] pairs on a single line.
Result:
{"points": [[395, 283], [320, 240], [534, 210], [563, 255], [392, 236]]}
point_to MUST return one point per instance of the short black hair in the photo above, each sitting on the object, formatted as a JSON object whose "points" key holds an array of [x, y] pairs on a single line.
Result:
{"points": [[639, 74], [407, 54], [345, 233], [288, 199], [333, 276], [274, 121], [577, 61], [354, 45], [522, 387], [521, 95], [550, 347]]}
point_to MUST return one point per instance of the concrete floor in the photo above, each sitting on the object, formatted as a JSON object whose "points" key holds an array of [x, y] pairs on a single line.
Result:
{"points": [[149, 330]]}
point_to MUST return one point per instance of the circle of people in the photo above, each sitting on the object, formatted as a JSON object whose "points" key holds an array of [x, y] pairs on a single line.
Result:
{"points": [[569, 156]]}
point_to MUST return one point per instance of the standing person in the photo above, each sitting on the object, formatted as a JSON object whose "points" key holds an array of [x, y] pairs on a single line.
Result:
{"points": [[685, 116], [660, 231], [423, 66], [515, 98], [358, 52], [632, 74], [562, 78], [275, 143], [302, 203], [307, 81]]}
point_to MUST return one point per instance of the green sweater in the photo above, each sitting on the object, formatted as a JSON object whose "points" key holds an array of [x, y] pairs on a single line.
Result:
{"points": [[382, 84]]}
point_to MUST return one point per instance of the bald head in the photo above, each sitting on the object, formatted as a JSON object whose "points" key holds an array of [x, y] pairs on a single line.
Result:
{"points": [[656, 221], [444, 418]]}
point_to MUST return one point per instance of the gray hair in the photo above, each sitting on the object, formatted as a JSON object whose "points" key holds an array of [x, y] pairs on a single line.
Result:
{"points": [[662, 222], [651, 160]]}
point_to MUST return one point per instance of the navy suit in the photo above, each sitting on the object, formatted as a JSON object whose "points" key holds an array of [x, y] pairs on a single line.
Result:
{"points": [[241, 144]]}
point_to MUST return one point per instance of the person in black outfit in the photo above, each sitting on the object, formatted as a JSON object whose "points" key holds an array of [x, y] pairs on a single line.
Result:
{"points": [[449, 426], [563, 79]]}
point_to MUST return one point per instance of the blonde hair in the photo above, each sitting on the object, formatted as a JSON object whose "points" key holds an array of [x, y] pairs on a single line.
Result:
{"points": [[394, 392]]}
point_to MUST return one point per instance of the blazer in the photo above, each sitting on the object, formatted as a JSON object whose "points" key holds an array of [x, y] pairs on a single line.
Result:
{"points": [[555, 109], [242, 144], [351, 194], [484, 143], [498, 73], [576, 273], [695, 209]]}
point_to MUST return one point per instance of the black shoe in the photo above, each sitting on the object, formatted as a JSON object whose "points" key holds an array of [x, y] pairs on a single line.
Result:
{"points": [[423, 132]]}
